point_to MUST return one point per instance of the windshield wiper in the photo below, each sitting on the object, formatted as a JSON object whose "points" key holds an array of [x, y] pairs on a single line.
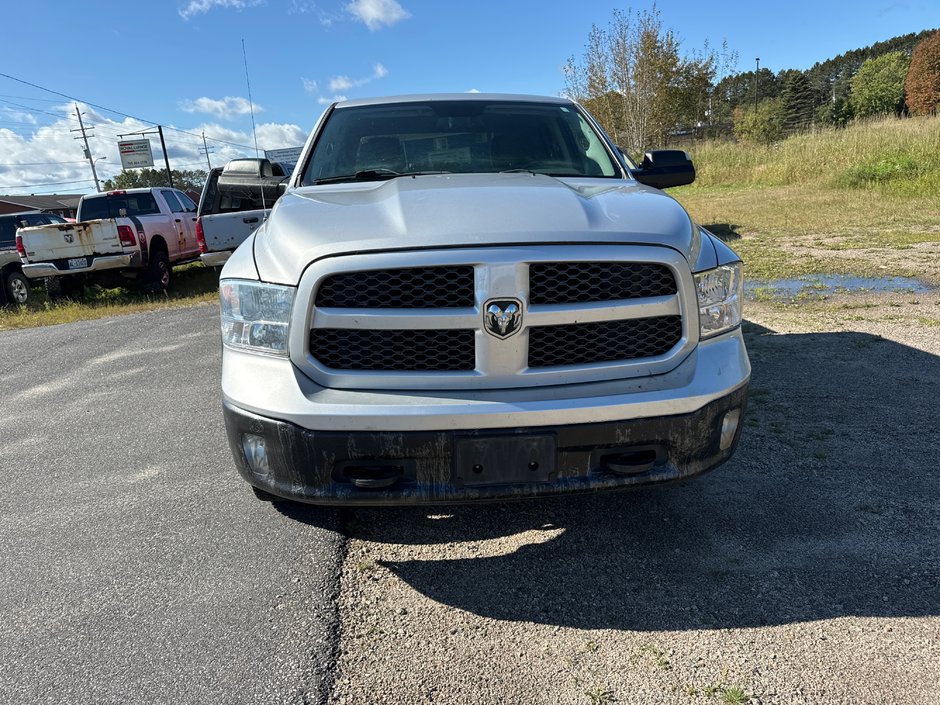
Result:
{"points": [[373, 175]]}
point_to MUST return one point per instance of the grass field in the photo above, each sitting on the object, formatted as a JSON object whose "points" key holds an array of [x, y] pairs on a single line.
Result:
{"points": [[864, 200], [192, 284]]}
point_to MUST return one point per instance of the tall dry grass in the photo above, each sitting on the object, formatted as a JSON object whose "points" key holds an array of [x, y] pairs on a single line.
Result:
{"points": [[893, 156]]}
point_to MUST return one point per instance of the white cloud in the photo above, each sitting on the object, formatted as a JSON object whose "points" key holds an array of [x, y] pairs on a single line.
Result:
{"points": [[375, 13], [48, 155], [197, 7], [472, 90], [14, 115], [344, 83], [310, 86], [341, 83], [303, 7], [322, 100], [225, 108]]}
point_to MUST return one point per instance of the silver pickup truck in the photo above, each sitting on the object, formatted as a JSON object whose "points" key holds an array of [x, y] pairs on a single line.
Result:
{"points": [[465, 297], [235, 201]]}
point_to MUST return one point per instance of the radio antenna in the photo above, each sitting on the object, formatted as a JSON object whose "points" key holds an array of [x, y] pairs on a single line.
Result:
{"points": [[254, 132]]}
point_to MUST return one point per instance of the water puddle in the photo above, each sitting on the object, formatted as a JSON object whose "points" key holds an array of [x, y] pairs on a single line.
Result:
{"points": [[821, 286]]}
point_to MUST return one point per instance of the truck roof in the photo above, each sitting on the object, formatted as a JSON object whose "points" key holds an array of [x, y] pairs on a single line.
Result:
{"points": [[469, 97]]}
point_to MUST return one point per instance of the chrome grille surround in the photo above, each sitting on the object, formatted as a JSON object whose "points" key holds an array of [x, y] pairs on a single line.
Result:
{"points": [[499, 273]]}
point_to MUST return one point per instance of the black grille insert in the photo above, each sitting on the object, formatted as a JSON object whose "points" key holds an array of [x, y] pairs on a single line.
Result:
{"points": [[420, 287], [609, 341], [394, 350], [581, 282]]}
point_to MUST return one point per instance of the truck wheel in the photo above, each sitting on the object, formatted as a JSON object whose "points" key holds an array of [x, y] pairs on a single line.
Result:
{"points": [[58, 288], [159, 272], [16, 288]]}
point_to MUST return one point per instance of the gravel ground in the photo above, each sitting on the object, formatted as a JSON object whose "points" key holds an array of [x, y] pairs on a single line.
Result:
{"points": [[805, 570]]}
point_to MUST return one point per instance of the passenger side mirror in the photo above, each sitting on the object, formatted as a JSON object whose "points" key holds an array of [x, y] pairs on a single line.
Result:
{"points": [[663, 168]]}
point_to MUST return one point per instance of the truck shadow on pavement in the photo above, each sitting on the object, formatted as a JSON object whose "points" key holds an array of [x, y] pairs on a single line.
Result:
{"points": [[830, 508]]}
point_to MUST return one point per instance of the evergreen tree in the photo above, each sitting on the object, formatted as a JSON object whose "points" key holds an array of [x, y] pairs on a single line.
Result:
{"points": [[797, 105]]}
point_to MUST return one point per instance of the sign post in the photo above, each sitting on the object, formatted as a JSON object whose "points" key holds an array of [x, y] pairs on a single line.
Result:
{"points": [[135, 154]]}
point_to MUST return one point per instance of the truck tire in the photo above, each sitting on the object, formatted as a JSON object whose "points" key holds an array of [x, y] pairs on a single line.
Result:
{"points": [[58, 288], [16, 288], [159, 272]]}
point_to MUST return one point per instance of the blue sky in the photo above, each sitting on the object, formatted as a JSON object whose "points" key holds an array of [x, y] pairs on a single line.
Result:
{"points": [[179, 62]]}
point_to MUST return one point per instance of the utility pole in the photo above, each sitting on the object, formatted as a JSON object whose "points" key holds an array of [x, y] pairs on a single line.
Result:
{"points": [[205, 150], [88, 156], [166, 159], [756, 83]]}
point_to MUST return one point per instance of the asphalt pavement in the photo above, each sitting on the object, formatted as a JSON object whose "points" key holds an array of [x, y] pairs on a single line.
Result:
{"points": [[135, 565]]}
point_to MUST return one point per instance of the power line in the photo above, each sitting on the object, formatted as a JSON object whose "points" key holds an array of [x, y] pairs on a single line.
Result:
{"points": [[118, 112], [27, 97], [48, 183], [77, 161], [31, 109]]}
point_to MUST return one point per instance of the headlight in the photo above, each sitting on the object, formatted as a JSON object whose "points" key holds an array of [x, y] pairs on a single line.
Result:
{"points": [[720, 296], [255, 316]]}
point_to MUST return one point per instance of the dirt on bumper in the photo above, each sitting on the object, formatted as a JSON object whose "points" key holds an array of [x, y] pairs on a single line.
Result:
{"points": [[434, 467]]}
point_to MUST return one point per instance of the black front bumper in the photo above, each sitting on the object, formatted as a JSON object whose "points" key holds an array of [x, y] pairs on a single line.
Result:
{"points": [[429, 467]]}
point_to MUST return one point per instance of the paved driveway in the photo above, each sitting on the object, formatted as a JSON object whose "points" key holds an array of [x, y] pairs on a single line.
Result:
{"points": [[135, 566]]}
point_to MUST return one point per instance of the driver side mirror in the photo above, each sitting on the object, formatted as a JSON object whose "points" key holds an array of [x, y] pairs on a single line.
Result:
{"points": [[663, 168]]}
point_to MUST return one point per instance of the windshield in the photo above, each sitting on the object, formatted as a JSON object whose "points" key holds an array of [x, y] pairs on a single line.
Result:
{"points": [[461, 136]]}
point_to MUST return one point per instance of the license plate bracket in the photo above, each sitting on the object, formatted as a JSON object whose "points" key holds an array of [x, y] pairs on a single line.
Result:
{"points": [[503, 460], [78, 263]]}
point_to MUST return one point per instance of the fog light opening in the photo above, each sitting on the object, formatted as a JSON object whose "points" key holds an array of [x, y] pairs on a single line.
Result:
{"points": [[729, 425], [256, 454]]}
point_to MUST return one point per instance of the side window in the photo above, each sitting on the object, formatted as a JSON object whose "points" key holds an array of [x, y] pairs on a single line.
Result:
{"points": [[35, 219], [187, 202], [172, 201], [7, 233]]}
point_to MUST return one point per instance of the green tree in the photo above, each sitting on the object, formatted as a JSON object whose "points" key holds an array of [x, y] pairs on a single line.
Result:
{"points": [[634, 81], [761, 125], [836, 112], [923, 77], [742, 90], [831, 79], [797, 105], [148, 178], [878, 87]]}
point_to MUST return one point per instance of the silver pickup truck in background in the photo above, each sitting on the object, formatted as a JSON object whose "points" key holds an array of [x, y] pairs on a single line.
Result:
{"points": [[235, 201], [467, 297], [136, 234]]}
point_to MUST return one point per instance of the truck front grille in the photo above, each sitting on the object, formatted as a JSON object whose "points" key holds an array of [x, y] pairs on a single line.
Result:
{"points": [[398, 350], [419, 287], [424, 319], [582, 282], [585, 343]]}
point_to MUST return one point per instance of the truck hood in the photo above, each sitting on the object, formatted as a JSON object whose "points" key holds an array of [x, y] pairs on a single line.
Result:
{"points": [[310, 223]]}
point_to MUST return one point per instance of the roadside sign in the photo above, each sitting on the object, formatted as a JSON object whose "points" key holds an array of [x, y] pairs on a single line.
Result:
{"points": [[288, 156], [135, 153]]}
